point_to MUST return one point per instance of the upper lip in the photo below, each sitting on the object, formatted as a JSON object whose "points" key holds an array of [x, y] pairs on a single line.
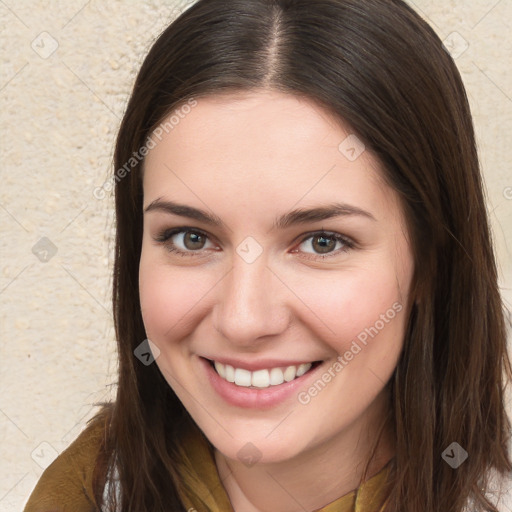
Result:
{"points": [[260, 364]]}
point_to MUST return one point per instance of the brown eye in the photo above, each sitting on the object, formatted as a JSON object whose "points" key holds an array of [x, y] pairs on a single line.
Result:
{"points": [[184, 242], [193, 241], [323, 244]]}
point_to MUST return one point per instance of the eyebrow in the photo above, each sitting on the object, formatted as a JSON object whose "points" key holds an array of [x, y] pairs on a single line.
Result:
{"points": [[297, 216]]}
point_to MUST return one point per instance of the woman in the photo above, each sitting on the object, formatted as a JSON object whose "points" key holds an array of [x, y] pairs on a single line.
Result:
{"points": [[305, 291]]}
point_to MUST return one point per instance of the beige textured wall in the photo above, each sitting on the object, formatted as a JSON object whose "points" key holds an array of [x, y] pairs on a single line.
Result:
{"points": [[66, 71]]}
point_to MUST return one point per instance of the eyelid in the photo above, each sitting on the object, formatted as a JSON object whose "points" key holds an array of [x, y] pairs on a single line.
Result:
{"points": [[165, 234]]}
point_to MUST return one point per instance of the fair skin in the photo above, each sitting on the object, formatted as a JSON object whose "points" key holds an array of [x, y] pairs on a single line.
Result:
{"points": [[248, 158]]}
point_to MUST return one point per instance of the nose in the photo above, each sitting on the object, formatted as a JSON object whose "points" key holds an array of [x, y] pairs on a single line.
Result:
{"points": [[251, 304]]}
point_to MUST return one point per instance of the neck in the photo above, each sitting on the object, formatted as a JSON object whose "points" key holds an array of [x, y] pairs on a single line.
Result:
{"points": [[314, 478]]}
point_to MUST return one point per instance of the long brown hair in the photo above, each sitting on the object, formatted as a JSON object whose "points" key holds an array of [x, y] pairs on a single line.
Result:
{"points": [[379, 67]]}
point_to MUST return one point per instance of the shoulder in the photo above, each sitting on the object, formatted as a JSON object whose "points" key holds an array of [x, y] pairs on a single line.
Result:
{"points": [[67, 484], [499, 492]]}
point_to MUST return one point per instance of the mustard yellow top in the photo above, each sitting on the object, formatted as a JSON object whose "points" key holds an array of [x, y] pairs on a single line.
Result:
{"points": [[204, 492], [66, 485]]}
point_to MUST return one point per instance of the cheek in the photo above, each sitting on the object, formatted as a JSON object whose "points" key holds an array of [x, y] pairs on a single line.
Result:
{"points": [[366, 316], [170, 298], [357, 304]]}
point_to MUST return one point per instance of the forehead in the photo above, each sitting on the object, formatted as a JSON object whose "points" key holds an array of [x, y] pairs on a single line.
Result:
{"points": [[240, 149], [262, 123]]}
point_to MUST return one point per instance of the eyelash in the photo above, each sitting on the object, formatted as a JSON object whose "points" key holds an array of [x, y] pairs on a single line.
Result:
{"points": [[164, 236]]}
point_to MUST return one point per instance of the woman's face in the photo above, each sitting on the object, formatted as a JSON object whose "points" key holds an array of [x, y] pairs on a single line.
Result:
{"points": [[270, 241]]}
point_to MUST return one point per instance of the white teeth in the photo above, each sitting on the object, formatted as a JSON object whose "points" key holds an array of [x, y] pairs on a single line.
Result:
{"points": [[242, 377], [230, 373], [289, 373], [220, 369], [303, 368], [260, 378], [276, 376]]}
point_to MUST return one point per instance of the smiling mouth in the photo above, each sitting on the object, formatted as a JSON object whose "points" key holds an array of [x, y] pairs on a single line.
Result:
{"points": [[263, 378]]}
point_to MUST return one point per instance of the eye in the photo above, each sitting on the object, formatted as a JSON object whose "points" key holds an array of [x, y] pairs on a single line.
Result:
{"points": [[183, 241], [324, 245], [191, 242]]}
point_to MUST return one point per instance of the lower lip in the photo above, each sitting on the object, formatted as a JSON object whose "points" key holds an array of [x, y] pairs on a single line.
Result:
{"points": [[263, 398]]}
